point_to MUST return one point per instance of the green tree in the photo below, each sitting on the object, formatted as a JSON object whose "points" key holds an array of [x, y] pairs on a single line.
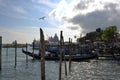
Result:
{"points": [[109, 33], [92, 36]]}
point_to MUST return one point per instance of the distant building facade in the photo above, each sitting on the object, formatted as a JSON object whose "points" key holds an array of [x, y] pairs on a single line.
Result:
{"points": [[53, 40]]}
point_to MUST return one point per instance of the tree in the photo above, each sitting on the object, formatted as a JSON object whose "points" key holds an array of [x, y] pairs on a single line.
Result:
{"points": [[109, 33], [99, 32], [92, 36]]}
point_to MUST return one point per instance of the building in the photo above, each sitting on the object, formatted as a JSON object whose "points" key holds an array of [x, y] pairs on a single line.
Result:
{"points": [[53, 40]]}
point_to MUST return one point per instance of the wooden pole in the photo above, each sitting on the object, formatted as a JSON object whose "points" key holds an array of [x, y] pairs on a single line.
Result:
{"points": [[60, 65], [64, 57], [26, 54], [7, 50], [70, 41], [42, 49], [0, 53], [15, 54], [33, 49]]}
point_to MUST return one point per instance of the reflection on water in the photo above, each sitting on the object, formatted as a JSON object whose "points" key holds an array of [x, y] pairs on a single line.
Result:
{"points": [[93, 70], [23, 71]]}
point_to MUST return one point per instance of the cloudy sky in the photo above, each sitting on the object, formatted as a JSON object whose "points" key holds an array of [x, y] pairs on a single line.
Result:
{"points": [[19, 19]]}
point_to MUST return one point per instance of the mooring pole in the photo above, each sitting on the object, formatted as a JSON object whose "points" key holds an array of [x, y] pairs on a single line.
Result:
{"points": [[42, 49], [26, 54], [7, 50], [60, 65], [64, 56], [70, 50], [33, 49], [15, 54], [0, 53]]}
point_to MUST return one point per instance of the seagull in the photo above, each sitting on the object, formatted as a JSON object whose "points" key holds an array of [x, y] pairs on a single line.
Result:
{"points": [[42, 18]]}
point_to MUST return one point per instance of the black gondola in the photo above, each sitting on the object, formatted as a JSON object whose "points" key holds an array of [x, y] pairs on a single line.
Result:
{"points": [[56, 58]]}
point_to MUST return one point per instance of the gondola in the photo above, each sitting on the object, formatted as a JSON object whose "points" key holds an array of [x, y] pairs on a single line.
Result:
{"points": [[64, 51], [56, 58]]}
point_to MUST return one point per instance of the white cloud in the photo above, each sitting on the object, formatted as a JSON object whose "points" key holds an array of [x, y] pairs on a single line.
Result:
{"points": [[63, 11], [22, 35], [28, 34], [71, 26], [46, 2], [25, 34], [19, 9], [87, 14]]}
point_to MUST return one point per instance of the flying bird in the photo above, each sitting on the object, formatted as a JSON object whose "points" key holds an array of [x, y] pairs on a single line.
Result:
{"points": [[42, 18]]}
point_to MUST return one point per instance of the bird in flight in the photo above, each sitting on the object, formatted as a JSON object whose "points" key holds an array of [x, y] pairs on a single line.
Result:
{"points": [[42, 18]]}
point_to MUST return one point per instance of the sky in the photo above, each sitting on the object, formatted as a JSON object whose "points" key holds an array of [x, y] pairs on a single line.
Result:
{"points": [[19, 19]]}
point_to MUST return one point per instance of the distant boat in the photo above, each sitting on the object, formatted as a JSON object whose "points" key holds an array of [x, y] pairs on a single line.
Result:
{"points": [[56, 57]]}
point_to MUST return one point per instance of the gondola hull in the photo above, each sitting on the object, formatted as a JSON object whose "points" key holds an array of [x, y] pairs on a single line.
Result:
{"points": [[56, 58]]}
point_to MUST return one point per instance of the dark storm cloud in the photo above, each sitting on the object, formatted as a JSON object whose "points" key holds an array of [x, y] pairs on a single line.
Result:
{"points": [[83, 4], [88, 15], [98, 18]]}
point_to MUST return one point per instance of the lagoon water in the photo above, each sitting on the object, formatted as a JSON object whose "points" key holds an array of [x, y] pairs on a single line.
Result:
{"points": [[95, 70], [91, 70]]}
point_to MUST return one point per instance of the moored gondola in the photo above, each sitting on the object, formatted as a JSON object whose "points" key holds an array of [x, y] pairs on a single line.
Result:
{"points": [[56, 57]]}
